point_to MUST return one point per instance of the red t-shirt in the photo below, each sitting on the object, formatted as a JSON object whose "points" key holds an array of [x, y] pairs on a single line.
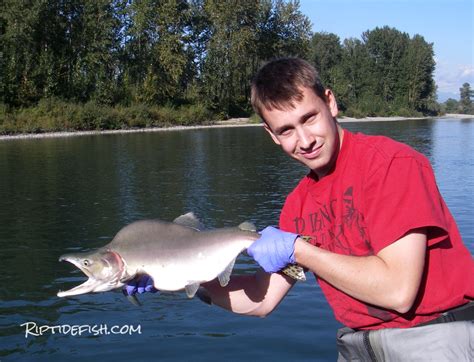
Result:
{"points": [[379, 190]]}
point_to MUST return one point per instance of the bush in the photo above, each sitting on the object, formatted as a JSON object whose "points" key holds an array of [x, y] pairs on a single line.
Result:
{"points": [[255, 118], [136, 116], [53, 114], [405, 112], [194, 114], [354, 113]]}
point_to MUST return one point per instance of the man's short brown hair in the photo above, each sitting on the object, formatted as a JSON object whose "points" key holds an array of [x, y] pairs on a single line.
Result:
{"points": [[279, 83]]}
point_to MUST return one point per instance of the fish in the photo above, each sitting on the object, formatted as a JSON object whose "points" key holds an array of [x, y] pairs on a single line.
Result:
{"points": [[178, 255]]}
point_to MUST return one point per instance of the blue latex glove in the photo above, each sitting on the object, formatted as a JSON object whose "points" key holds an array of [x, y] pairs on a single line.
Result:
{"points": [[274, 250], [141, 284]]}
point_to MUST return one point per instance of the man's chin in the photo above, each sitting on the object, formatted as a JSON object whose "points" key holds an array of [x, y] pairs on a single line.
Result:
{"points": [[318, 167]]}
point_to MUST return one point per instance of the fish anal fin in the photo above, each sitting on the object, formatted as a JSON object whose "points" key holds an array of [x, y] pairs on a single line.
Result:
{"points": [[189, 220], [191, 289], [203, 294], [224, 276]]}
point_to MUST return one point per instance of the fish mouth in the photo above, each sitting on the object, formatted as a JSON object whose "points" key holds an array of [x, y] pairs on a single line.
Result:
{"points": [[88, 286]]}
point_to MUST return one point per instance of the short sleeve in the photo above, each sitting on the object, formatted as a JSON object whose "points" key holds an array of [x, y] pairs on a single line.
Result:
{"points": [[402, 195]]}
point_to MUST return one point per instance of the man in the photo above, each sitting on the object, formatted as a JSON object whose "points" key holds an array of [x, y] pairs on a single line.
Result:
{"points": [[384, 247]]}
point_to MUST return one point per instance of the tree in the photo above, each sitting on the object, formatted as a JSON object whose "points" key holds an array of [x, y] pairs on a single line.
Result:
{"points": [[290, 28], [356, 77], [451, 106], [386, 47], [157, 61], [326, 54], [242, 35], [465, 102], [199, 51], [230, 53], [64, 49], [417, 87], [17, 39]]}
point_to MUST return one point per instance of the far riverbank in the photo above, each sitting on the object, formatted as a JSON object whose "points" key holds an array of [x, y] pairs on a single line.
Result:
{"points": [[395, 118], [233, 122]]}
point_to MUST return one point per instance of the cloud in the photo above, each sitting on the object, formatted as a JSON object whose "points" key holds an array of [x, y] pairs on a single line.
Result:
{"points": [[450, 77], [468, 71]]}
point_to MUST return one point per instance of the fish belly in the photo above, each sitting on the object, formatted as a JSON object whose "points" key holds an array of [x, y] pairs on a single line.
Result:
{"points": [[204, 266]]}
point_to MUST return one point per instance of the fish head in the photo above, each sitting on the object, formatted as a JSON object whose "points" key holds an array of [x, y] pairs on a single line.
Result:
{"points": [[104, 269]]}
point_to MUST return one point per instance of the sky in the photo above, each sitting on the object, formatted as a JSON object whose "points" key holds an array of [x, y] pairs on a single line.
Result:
{"points": [[448, 24]]}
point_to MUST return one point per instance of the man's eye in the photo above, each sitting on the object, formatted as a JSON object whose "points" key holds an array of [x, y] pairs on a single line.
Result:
{"points": [[285, 132]]}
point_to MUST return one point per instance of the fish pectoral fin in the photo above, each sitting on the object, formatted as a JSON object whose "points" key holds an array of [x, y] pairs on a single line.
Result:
{"points": [[224, 276], [134, 300], [191, 289]]}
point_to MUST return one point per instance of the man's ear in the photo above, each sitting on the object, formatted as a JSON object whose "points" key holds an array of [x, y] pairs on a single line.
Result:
{"points": [[269, 130], [331, 102]]}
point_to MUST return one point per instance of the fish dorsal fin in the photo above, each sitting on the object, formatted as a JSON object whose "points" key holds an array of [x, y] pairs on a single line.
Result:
{"points": [[189, 220], [191, 289], [247, 226], [224, 277]]}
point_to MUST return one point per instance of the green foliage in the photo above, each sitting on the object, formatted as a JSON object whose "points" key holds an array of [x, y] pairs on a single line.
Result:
{"points": [[112, 52], [254, 118], [105, 64], [465, 102], [385, 73], [326, 54], [55, 115], [243, 34], [451, 106]]}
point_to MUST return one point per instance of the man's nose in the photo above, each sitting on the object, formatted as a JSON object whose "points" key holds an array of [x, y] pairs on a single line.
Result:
{"points": [[305, 138]]}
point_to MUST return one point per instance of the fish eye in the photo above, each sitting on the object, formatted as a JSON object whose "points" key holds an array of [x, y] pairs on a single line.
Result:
{"points": [[86, 262]]}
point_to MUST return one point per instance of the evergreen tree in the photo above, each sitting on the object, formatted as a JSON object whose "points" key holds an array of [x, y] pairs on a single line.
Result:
{"points": [[465, 102]]}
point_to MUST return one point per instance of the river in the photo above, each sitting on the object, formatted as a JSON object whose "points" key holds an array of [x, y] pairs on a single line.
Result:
{"points": [[65, 194]]}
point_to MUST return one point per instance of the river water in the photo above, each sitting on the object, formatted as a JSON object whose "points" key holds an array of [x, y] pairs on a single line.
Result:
{"points": [[65, 194]]}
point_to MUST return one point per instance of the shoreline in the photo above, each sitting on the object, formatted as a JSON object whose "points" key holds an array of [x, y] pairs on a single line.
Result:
{"points": [[233, 122], [397, 118]]}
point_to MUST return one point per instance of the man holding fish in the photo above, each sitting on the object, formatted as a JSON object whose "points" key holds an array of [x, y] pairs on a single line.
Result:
{"points": [[384, 247]]}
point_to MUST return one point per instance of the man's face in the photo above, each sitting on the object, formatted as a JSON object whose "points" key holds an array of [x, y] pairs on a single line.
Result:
{"points": [[308, 132]]}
